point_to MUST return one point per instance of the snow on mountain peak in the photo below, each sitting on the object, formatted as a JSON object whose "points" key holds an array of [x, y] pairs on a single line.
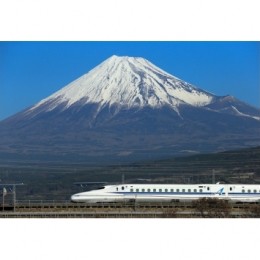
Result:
{"points": [[128, 82]]}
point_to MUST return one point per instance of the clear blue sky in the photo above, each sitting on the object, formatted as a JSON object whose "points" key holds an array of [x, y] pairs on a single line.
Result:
{"points": [[31, 71]]}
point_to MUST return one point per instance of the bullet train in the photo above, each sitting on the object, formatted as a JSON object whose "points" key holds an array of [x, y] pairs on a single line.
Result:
{"points": [[169, 192]]}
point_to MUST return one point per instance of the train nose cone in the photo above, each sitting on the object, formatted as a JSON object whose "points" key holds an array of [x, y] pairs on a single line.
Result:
{"points": [[73, 198]]}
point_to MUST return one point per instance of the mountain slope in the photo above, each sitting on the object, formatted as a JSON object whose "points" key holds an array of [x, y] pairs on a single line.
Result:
{"points": [[128, 109], [128, 82]]}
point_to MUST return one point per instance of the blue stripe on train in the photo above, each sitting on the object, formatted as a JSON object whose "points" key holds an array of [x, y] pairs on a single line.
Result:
{"points": [[186, 193]]}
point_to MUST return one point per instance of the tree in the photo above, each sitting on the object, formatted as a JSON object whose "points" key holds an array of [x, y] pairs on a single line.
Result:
{"points": [[253, 211], [212, 207]]}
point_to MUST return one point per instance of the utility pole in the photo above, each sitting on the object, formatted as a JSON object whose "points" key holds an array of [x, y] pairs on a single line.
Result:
{"points": [[4, 194], [213, 177], [3, 208], [14, 195], [123, 178]]}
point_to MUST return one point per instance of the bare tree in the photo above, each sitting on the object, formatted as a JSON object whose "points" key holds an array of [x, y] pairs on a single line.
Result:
{"points": [[212, 207]]}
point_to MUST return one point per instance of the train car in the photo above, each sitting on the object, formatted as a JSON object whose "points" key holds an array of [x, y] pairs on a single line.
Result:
{"points": [[169, 192]]}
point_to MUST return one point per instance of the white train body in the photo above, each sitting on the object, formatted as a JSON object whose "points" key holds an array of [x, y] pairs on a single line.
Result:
{"points": [[169, 192]]}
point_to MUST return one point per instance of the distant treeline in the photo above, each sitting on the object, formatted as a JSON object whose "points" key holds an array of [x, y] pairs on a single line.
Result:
{"points": [[55, 181]]}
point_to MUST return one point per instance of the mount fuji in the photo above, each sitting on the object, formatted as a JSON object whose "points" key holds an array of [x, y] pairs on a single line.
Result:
{"points": [[128, 109]]}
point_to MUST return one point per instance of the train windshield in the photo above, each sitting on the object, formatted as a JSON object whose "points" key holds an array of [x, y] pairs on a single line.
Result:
{"points": [[100, 188]]}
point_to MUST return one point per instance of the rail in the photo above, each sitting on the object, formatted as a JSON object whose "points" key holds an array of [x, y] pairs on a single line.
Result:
{"points": [[134, 209], [68, 203]]}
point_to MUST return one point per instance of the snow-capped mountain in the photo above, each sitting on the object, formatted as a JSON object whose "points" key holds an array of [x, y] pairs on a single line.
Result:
{"points": [[127, 107], [127, 82]]}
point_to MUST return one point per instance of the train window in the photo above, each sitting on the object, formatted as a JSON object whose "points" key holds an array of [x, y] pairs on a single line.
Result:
{"points": [[131, 190], [208, 188], [195, 190], [172, 190], [122, 188], [249, 191], [143, 190], [166, 190], [230, 188], [116, 189], [160, 190], [149, 190], [137, 190], [200, 190], [255, 191], [177, 190], [243, 191], [154, 190], [183, 190], [189, 190]]}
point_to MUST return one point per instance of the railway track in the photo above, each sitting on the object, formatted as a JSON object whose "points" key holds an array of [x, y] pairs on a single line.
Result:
{"points": [[66, 209]]}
